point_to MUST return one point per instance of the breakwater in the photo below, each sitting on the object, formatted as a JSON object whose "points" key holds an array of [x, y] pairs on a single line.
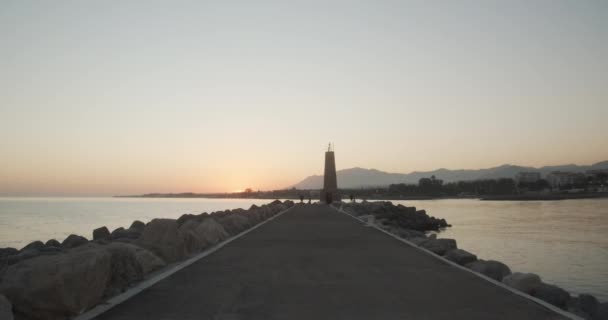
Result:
{"points": [[58, 280], [405, 222]]}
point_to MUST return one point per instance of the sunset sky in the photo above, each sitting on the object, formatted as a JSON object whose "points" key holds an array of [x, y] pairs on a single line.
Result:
{"points": [[126, 97]]}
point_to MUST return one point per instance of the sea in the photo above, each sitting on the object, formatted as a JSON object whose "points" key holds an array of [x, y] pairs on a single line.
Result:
{"points": [[565, 242]]}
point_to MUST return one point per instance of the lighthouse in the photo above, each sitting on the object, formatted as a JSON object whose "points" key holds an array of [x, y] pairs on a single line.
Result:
{"points": [[330, 180]]}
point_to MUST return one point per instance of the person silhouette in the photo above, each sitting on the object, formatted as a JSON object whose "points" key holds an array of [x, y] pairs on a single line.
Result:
{"points": [[301, 199]]}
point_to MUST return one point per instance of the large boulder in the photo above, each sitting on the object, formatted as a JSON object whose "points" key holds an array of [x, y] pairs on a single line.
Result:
{"points": [[407, 233], [5, 256], [193, 240], [234, 223], [101, 233], [147, 260], [266, 212], [212, 231], [460, 256], [6, 308], [490, 268], [254, 217], [58, 286], [53, 243], [280, 207], [125, 268], [524, 282], [23, 255], [162, 237], [73, 241], [138, 226], [585, 306], [185, 217], [5, 252], [36, 245], [438, 246], [125, 235], [552, 294]]}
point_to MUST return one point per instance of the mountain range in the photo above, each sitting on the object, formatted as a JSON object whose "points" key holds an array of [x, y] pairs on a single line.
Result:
{"points": [[360, 177]]}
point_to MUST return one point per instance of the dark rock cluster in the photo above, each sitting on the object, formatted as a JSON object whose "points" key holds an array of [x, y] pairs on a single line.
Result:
{"points": [[56, 280]]}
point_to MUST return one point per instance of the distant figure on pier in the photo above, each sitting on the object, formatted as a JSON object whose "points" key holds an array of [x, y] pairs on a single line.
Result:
{"points": [[301, 199], [352, 197]]}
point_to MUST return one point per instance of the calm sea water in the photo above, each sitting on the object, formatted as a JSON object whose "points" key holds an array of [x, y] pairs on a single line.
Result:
{"points": [[565, 242], [23, 220]]}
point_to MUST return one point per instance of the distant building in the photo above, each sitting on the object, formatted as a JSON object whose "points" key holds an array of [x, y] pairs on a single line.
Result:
{"points": [[558, 179], [330, 192], [597, 172], [527, 177]]}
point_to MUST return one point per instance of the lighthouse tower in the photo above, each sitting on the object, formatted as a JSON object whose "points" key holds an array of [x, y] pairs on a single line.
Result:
{"points": [[330, 181]]}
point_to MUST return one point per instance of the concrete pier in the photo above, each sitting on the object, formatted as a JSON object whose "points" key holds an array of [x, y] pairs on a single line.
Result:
{"points": [[314, 262]]}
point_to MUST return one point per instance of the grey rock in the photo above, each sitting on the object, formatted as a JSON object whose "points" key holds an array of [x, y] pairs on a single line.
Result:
{"points": [[5, 252], [439, 246], [524, 282], [588, 304], [585, 305], [185, 217], [490, 268], [212, 231], [234, 223], [460, 256], [53, 243], [148, 261], [36, 245], [409, 234], [552, 294], [162, 237], [138, 225], [23, 255], [193, 240], [125, 268], [57, 286], [101, 233], [50, 250], [124, 240], [122, 233], [73, 241]]}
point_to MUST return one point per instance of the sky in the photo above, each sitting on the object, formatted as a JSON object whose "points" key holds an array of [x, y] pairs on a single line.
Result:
{"points": [[130, 97]]}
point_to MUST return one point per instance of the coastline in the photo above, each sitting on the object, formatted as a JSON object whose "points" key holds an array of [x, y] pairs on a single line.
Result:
{"points": [[407, 211], [546, 197], [516, 197]]}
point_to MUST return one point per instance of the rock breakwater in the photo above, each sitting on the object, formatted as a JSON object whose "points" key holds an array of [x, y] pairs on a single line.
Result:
{"points": [[58, 280], [413, 225]]}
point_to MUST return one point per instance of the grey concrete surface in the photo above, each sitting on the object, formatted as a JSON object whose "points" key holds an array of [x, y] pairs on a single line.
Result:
{"points": [[316, 263]]}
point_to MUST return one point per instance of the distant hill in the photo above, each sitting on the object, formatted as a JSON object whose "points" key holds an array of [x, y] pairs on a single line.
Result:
{"points": [[360, 177]]}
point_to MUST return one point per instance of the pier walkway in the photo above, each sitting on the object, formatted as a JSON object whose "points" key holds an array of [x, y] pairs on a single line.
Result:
{"points": [[314, 262]]}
